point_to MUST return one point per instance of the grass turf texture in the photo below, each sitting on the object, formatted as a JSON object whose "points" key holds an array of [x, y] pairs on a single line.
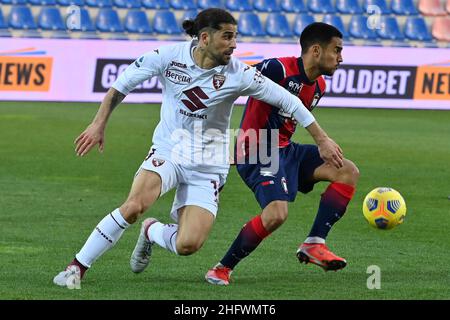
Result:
{"points": [[50, 201]]}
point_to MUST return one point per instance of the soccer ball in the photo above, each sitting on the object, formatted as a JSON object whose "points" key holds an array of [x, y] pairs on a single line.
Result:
{"points": [[384, 208]]}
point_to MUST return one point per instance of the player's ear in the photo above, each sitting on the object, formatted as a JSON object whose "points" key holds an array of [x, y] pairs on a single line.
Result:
{"points": [[316, 50]]}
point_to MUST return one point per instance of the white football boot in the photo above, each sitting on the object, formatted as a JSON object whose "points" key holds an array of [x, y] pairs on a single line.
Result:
{"points": [[70, 278], [140, 258]]}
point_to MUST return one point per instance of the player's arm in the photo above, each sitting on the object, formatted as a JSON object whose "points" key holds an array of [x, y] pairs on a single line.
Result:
{"points": [[272, 69], [264, 89], [137, 72]]}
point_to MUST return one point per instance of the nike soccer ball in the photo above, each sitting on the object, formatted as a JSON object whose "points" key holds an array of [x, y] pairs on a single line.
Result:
{"points": [[384, 208]]}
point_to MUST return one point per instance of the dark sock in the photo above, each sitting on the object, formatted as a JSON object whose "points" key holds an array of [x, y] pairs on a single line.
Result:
{"points": [[332, 207], [83, 269], [248, 239]]}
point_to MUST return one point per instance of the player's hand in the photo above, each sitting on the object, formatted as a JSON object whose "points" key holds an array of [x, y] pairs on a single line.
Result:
{"points": [[331, 153], [93, 135]]}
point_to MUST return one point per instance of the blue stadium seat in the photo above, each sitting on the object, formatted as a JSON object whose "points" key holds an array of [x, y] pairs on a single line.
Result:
{"points": [[381, 4], [250, 25], [99, 3], [86, 24], [278, 26], [70, 2], [189, 14], [205, 4], [301, 21], [42, 2], [293, 6], [336, 21], [108, 21], [183, 4], [3, 24], [404, 7], [14, 1], [155, 4], [321, 6], [136, 22], [238, 5], [348, 6], [164, 22], [127, 3], [358, 28], [20, 17], [416, 29], [50, 19], [266, 5], [389, 29]]}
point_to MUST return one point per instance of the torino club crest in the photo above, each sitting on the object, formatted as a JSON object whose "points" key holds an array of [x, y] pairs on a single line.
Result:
{"points": [[218, 80]]}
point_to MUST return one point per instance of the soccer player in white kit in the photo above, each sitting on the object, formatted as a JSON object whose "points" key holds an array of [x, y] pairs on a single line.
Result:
{"points": [[201, 81]]}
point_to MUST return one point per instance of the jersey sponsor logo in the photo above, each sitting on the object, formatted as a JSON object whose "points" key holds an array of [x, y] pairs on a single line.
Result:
{"points": [[108, 70], [157, 162], [218, 80], [177, 76], [178, 64], [193, 115], [195, 95], [359, 81], [295, 87]]}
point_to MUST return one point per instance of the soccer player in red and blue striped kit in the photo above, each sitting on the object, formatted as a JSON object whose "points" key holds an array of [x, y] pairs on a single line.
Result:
{"points": [[300, 166]]}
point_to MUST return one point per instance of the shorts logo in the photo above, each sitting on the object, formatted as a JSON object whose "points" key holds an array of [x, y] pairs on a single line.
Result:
{"points": [[218, 80], [284, 184], [266, 183], [157, 162]]}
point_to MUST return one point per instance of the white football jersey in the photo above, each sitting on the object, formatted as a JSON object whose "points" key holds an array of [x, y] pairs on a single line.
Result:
{"points": [[197, 103]]}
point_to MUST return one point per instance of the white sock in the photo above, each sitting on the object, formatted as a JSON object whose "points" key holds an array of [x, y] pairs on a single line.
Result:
{"points": [[103, 238], [165, 235], [314, 240]]}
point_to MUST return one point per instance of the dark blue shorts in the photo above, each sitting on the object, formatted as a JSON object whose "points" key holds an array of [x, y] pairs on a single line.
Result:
{"points": [[296, 167]]}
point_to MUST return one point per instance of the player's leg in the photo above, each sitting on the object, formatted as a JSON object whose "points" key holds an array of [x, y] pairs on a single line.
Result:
{"points": [[145, 190], [332, 207]]}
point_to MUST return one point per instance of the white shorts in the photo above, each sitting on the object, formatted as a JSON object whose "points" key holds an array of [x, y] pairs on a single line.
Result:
{"points": [[193, 187]]}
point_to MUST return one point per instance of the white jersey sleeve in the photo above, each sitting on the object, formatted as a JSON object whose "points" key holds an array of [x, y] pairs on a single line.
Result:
{"points": [[145, 67], [258, 86]]}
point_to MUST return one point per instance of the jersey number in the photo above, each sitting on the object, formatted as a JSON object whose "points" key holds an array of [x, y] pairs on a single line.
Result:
{"points": [[194, 103]]}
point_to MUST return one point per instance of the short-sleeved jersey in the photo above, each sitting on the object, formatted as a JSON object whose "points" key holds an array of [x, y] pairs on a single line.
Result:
{"points": [[197, 103], [289, 73]]}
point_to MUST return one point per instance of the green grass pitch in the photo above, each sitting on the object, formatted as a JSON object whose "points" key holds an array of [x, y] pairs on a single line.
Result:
{"points": [[50, 201]]}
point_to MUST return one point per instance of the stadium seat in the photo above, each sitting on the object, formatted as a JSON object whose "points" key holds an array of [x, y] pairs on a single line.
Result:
{"points": [[335, 20], [50, 19], [358, 28], [3, 24], [300, 22], [277, 25], [441, 28], [14, 1], [155, 4], [99, 3], [183, 4], [86, 24], [70, 2], [404, 7], [250, 25], [108, 21], [431, 8], [389, 29], [136, 22], [348, 7], [188, 14], [293, 6], [164, 22], [416, 29], [20, 17], [205, 4], [321, 6], [266, 5], [42, 2], [127, 4], [238, 5], [381, 4]]}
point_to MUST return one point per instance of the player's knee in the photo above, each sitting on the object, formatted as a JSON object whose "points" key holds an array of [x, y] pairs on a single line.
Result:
{"points": [[132, 209], [186, 248], [274, 215], [348, 174]]}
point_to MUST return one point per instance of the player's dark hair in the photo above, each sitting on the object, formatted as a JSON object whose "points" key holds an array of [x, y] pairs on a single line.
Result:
{"points": [[318, 33], [209, 18]]}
